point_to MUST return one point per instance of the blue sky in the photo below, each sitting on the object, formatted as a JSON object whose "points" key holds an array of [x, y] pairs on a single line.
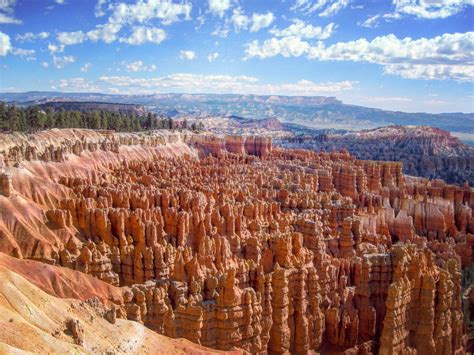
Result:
{"points": [[408, 55]]}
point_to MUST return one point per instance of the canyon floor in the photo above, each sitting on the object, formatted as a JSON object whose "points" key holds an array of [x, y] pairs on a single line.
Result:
{"points": [[179, 242]]}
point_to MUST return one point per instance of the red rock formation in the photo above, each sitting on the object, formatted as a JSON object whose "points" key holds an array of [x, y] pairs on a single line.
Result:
{"points": [[424, 151], [230, 242]]}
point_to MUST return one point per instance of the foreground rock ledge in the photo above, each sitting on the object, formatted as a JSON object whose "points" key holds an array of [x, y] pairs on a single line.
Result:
{"points": [[231, 242]]}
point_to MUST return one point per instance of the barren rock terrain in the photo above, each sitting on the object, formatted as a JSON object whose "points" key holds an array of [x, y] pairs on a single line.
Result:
{"points": [[425, 151], [228, 242]]}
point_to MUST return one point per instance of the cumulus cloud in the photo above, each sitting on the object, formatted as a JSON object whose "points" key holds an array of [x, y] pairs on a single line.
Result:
{"points": [[30, 36], [61, 61], [307, 31], [421, 9], [99, 10], [143, 11], [256, 22], [142, 35], [106, 33], [431, 9], [7, 15], [455, 48], [188, 55], [70, 38], [45, 65], [139, 66], [432, 71], [218, 7], [290, 46], [239, 19], [86, 67], [76, 84], [324, 7], [28, 54], [53, 48], [5, 44], [137, 15], [260, 21], [212, 56], [205, 83], [221, 31], [451, 50]]}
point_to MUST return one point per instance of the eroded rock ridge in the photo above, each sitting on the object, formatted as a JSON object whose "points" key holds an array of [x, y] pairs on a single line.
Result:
{"points": [[232, 242]]}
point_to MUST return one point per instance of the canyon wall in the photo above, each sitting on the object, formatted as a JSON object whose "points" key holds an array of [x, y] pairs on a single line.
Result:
{"points": [[425, 151], [232, 242]]}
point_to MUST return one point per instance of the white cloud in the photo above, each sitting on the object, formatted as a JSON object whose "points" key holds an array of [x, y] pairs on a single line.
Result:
{"points": [[370, 22], [432, 71], [324, 7], [99, 8], [5, 44], [188, 55], [455, 48], [86, 67], [125, 14], [260, 21], [139, 66], [302, 30], [291, 46], [204, 83], [106, 33], [334, 8], [7, 19], [212, 56], [384, 99], [7, 15], [30, 36], [53, 48], [45, 64], [60, 2], [28, 54], [239, 19], [222, 32], [451, 50], [60, 62], [256, 22], [142, 35], [218, 7], [431, 9], [76, 84], [70, 38], [422, 9], [145, 10]]}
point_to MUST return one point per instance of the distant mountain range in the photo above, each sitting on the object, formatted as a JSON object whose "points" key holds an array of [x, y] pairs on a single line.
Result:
{"points": [[89, 106], [318, 112]]}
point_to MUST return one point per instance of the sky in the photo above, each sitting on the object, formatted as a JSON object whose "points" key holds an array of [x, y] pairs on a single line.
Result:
{"points": [[407, 55]]}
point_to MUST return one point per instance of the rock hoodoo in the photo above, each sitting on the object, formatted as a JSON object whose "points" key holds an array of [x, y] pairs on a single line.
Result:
{"points": [[425, 151], [231, 242]]}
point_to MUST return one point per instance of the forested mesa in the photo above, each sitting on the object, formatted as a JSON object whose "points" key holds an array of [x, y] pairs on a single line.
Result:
{"points": [[33, 118]]}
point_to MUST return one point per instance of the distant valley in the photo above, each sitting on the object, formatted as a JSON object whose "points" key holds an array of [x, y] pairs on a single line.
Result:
{"points": [[317, 112]]}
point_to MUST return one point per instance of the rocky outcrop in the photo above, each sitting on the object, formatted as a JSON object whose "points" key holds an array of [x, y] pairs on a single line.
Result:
{"points": [[34, 321], [231, 242], [424, 151], [219, 145]]}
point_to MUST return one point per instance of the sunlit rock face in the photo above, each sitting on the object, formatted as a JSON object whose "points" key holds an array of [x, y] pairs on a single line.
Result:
{"points": [[231, 242], [425, 151]]}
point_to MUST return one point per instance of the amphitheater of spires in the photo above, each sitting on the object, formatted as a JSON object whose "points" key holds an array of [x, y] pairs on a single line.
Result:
{"points": [[235, 244]]}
